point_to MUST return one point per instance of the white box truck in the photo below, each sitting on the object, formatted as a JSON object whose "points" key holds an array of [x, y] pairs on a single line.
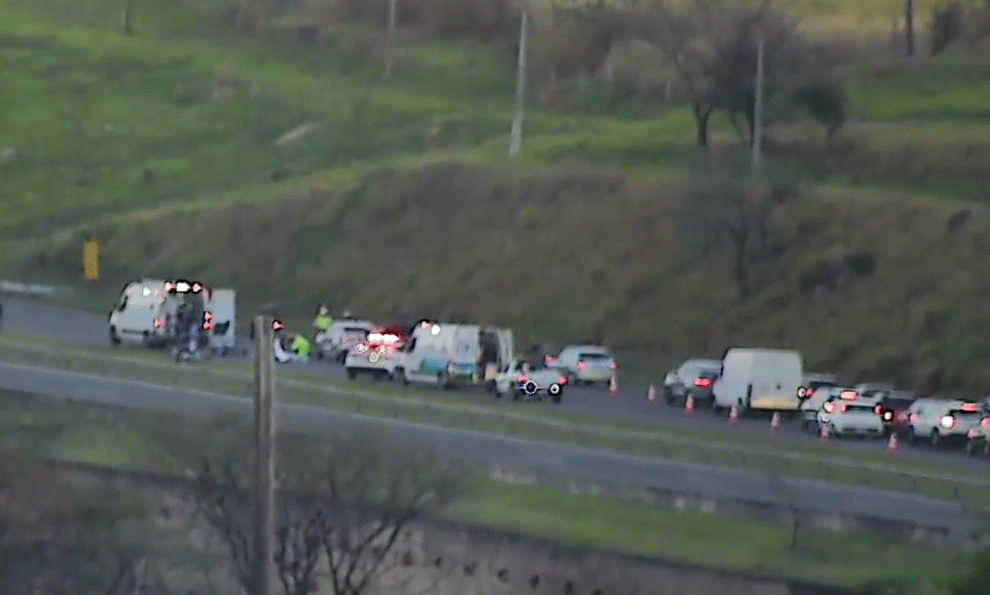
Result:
{"points": [[766, 379]]}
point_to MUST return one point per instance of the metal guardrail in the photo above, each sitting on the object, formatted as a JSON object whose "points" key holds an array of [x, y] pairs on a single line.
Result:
{"points": [[16, 287], [661, 442]]}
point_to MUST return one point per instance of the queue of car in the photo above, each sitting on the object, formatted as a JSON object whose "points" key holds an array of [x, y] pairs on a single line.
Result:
{"points": [[747, 379]]}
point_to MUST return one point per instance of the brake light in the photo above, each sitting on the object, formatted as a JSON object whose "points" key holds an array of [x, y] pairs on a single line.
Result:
{"points": [[523, 379], [548, 359], [702, 382], [582, 365], [914, 418], [844, 408], [613, 366], [970, 407], [158, 323], [985, 422], [563, 380], [829, 407], [878, 409], [848, 395], [948, 421]]}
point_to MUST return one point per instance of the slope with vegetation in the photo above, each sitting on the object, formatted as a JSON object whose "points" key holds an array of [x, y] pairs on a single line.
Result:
{"points": [[272, 156]]}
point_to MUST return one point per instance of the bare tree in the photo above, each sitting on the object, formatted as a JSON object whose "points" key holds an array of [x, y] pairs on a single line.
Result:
{"points": [[710, 46], [724, 212], [342, 518]]}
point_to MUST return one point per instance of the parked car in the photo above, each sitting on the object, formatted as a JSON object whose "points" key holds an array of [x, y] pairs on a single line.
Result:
{"points": [[586, 364], [814, 381], [850, 417], [978, 439], [340, 337], [940, 420], [894, 408], [524, 380], [694, 376], [812, 405]]}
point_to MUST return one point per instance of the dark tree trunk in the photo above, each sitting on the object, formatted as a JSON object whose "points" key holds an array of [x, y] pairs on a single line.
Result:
{"points": [[701, 117]]}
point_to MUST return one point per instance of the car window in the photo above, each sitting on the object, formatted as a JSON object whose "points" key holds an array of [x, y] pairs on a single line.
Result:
{"points": [[967, 415], [595, 357], [860, 408], [355, 331]]}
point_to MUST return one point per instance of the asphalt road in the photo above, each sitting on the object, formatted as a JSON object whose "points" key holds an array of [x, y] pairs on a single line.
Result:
{"points": [[476, 447], [29, 318]]}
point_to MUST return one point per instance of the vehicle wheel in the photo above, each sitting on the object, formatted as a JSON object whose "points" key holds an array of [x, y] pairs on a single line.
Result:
{"points": [[936, 439], [971, 447], [492, 386], [804, 425], [114, 338], [319, 354], [833, 432], [558, 398], [402, 376], [555, 390], [351, 373], [986, 449], [912, 437], [668, 395]]}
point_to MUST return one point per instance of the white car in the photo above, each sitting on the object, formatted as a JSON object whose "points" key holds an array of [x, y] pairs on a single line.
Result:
{"points": [[378, 355], [812, 404], [694, 375], [340, 337], [942, 420], [850, 417], [528, 382], [586, 364]]}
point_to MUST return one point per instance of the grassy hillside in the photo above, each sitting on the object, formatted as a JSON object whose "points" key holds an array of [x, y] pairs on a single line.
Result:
{"points": [[400, 200]]}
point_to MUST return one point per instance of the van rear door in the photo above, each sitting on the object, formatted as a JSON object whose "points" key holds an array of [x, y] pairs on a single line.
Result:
{"points": [[223, 308]]}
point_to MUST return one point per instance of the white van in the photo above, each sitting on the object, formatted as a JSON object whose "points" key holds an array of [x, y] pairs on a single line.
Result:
{"points": [[766, 379], [456, 354], [145, 314]]}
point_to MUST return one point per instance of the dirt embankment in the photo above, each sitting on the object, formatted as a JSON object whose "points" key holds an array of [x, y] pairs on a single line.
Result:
{"points": [[880, 287]]}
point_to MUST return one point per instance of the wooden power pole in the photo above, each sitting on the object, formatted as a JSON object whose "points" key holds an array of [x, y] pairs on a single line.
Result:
{"points": [[515, 135], [264, 437]]}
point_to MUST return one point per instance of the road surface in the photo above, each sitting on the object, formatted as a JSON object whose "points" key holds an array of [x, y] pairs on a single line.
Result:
{"points": [[515, 453], [36, 319]]}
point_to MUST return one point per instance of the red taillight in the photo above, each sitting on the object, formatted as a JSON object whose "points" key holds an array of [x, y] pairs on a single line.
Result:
{"points": [[848, 395], [969, 407], [702, 382], [829, 407], [523, 379], [547, 360], [277, 326], [563, 380], [844, 408], [613, 366], [158, 323], [985, 422], [582, 365], [914, 418], [878, 409]]}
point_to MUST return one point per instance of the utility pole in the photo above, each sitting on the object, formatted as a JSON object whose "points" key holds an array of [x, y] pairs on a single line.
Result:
{"points": [[515, 136], [391, 43], [264, 425], [758, 107], [909, 26]]}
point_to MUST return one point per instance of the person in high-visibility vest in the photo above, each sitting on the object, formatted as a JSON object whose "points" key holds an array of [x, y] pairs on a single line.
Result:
{"points": [[301, 346], [323, 319]]}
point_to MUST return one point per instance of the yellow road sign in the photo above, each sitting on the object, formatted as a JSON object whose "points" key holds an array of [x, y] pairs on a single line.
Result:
{"points": [[91, 260]]}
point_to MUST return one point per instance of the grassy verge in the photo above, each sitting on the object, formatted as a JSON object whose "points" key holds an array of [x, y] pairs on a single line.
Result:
{"points": [[76, 433], [627, 436]]}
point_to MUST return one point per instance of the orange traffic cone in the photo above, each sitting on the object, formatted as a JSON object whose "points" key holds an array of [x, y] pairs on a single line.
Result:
{"points": [[774, 422], [733, 415], [689, 405], [613, 387], [892, 444], [651, 396], [824, 433]]}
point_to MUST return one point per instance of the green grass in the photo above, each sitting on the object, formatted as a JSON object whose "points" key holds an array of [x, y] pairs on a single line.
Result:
{"points": [[570, 518], [403, 203], [664, 440]]}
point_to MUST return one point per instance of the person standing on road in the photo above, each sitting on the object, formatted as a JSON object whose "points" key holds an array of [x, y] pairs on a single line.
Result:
{"points": [[323, 319]]}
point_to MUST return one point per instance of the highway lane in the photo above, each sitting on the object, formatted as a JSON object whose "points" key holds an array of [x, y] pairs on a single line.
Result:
{"points": [[36, 319], [476, 447]]}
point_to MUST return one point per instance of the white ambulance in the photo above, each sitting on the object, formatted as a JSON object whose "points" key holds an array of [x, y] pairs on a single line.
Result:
{"points": [[453, 354]]}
